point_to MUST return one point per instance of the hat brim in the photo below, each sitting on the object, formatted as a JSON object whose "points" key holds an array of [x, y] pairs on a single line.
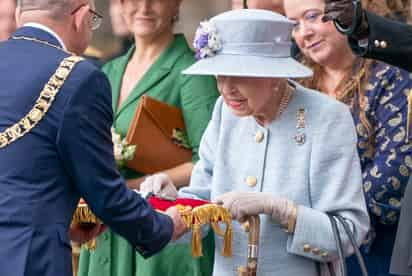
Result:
{"points": [[249, 66]]}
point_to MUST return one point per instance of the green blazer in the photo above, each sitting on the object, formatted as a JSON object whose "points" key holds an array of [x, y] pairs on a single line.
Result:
{"points": [[195, 96]]}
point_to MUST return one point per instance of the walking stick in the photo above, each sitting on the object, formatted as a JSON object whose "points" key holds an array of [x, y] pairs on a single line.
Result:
{"points": [[253, 227]]}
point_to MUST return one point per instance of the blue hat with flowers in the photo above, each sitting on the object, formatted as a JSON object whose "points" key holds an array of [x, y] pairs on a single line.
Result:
{"points": [[246, 43]]}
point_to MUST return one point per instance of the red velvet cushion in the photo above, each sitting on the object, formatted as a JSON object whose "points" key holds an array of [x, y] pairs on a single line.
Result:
{"points": [[163, 205]]}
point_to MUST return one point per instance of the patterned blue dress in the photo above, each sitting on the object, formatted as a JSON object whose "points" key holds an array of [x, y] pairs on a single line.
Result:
{"points": [[386, 164]]}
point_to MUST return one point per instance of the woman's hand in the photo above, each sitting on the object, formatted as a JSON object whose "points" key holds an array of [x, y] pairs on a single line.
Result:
{"points": [[82, 233], [160, 184], [244, 204]]}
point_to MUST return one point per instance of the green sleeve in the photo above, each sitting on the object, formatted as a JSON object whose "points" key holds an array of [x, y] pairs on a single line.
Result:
{"points": [[198, 96]]}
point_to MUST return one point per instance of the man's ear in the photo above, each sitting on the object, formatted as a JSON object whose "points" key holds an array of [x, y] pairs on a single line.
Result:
{"points": [[79, 17], [17, 13]]}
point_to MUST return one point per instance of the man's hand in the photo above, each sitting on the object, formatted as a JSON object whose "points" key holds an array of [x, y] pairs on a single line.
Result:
{"points": [[83, 233], [179, 227], [342, 11]]}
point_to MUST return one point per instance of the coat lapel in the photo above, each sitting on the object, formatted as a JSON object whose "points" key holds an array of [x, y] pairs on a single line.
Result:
{"points": [[159, 70], [115, 76]]}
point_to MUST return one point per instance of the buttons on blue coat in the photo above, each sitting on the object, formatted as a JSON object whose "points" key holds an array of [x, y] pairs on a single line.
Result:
{"points": [[259, 136], [251, 181]]}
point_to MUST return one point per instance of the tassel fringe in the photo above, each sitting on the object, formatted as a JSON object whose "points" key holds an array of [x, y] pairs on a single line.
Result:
{"points": [[196, 240], [83, 215], [208, 214]]}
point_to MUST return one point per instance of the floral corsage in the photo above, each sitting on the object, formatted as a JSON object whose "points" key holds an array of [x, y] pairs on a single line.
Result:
{"points": [[206, 41], [123, 151]]}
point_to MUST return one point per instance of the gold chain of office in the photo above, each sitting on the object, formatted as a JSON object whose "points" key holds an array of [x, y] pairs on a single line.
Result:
{"points": [[32, 39], [42, 105]]}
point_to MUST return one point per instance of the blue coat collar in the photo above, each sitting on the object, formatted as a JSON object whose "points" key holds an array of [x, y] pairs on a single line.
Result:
{"points": [[37, 33]]}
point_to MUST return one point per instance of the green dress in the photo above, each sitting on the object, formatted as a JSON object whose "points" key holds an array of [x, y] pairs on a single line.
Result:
{"points": [[196, 97]]}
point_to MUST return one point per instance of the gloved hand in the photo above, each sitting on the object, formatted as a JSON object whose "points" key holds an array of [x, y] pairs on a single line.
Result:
{"points": [[342, 11], [160, 184], [244, 204], [348, 16]]}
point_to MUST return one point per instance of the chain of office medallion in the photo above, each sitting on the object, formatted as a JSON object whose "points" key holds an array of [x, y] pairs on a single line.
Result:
{"points": [[42, 104]]}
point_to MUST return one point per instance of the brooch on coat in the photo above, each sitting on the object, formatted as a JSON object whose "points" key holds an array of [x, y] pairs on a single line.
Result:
{"points": [[300, 137]]}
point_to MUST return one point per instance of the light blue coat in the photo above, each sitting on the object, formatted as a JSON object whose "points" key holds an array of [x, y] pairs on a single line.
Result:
{"points": [[322, 174]]}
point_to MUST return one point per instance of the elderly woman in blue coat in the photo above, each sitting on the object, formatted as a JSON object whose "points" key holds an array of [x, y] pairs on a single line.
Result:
{"points": [[272, 148]]}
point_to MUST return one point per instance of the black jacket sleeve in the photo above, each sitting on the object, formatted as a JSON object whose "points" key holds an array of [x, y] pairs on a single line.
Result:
{"points": [[388, 41]]}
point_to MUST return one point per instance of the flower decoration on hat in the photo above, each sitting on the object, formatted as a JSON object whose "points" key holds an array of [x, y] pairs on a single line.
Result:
{"points": [[206, 41]]}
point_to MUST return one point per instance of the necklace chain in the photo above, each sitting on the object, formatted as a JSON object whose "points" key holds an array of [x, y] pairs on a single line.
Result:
{"points": [[32, 39], [284, 100]]}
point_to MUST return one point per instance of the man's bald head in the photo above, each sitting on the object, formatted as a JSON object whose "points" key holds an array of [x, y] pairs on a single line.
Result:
{"points": [[54, 7]]}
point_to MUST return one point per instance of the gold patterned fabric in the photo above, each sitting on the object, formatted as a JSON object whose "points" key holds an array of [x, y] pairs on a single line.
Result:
{"points": [[387, 164]]}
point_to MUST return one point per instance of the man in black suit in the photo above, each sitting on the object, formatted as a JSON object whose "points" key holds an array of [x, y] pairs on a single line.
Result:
{"points": [[370, 35], [378, 38]]}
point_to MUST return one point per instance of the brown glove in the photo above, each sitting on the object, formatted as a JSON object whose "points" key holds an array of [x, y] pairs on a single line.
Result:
{"points": [[348, 16]]}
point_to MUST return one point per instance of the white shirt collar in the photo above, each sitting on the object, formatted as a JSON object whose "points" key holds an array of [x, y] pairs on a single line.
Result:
{"points": [[46, 29]]}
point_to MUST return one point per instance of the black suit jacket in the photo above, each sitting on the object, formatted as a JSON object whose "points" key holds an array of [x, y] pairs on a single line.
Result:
{"points": [[402, 253], [395, 37]]}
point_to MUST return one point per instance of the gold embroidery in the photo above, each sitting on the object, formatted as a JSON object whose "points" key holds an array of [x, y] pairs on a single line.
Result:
{"points": [[42, 104], [385, 144], [386, 99], [391, 157], [403, 170], [395, 202], [396, 121], [375, 172], [408, 161], [367, 186], [400, 135], [405, 148]]}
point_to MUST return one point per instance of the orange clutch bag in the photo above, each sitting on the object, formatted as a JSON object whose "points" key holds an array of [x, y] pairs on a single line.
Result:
{"points": [[155, 130]]}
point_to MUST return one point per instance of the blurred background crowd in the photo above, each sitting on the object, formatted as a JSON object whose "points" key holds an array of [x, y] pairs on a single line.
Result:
{"points": [[113, 38]]}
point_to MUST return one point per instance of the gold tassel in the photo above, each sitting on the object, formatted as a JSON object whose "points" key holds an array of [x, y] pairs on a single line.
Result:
{"points": [[216, 229], [227, 241], [408, 123], [84, 215], [208, 214], [91, 245], [196, 240]]}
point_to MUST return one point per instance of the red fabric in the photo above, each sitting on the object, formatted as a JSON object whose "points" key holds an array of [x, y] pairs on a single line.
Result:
{"points": [[163, 205]]}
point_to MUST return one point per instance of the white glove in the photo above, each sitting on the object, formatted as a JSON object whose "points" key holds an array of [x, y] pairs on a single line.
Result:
{"points": [[160, 184]]}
